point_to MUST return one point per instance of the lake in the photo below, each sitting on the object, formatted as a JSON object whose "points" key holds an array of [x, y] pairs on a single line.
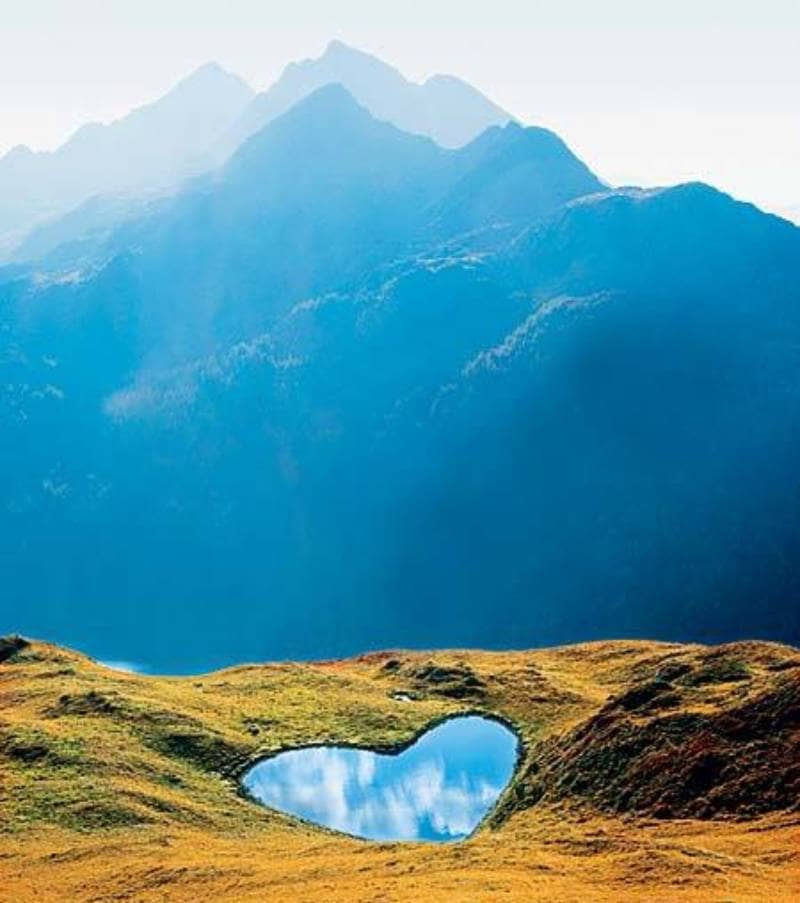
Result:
{"points": [[438, 789]]}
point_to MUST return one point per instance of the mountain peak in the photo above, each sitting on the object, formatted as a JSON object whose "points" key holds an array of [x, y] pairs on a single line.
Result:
{"points": [[336, 46], [322, 117], [326, 121], [330, 98], [210, 77], [443, 79], [154, 146], [18, 153], [212, 67], [444, 108], [338, 51]]}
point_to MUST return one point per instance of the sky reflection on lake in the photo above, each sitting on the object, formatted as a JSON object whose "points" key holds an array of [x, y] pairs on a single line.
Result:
{"points": [[437, 790]]}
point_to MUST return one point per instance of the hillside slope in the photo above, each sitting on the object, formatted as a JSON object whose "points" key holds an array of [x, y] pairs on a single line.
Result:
{"points": [[650, 772]]}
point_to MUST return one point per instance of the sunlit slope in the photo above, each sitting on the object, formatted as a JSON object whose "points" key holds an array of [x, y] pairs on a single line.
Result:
{"points": [[650, 772]]}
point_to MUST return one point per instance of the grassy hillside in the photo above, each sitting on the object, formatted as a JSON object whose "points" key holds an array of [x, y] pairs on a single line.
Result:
{"points": [[650, 772]]}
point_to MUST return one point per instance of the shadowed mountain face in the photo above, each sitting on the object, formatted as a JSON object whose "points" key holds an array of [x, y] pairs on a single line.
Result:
{"points": [[358, 390], [155, 146], [444, 108]]}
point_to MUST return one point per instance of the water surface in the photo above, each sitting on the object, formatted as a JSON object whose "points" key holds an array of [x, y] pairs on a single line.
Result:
{"points": [[439, 789]]}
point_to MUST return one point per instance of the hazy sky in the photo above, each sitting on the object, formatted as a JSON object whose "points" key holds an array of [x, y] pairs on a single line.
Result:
{"points": [[647, 92]]}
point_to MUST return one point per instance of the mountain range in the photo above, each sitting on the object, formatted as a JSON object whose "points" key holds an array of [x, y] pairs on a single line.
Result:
{"points": [[196, 127], [444, 107], [152, 148], [355, 388]]}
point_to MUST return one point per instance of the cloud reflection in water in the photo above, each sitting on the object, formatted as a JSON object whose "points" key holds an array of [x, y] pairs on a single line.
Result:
{"points": [[439, 789]]}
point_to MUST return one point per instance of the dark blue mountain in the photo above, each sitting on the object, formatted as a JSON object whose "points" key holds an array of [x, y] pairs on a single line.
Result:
{"points": [[360, 391]]}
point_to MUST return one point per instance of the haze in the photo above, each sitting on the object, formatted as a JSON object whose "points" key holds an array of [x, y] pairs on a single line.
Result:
{"points": [[646, 94]]}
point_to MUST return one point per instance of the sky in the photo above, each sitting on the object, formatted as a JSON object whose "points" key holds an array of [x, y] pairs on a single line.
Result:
{"points": [[646, 93]]}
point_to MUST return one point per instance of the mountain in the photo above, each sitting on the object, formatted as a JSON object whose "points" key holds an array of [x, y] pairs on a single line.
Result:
{"points": [[153, 147], [74, 238], [314, 202], [510, 176], [444, 108], [473, 392], [623, 458], [104, 173]]}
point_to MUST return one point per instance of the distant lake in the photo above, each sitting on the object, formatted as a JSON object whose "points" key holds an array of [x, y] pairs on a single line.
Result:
{"points": [[439, 789]]}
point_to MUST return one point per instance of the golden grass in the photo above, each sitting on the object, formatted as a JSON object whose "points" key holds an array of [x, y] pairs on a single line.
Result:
{"points": [[122, 787]]}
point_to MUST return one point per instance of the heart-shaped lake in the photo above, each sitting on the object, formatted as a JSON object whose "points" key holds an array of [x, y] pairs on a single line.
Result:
{"points": [[438, 789]]}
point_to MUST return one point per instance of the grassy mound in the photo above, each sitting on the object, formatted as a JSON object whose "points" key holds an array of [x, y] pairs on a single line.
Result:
{"points": [[649, 771]]}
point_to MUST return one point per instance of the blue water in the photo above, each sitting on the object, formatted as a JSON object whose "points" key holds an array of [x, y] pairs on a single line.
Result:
{"points": [[439, 789]]}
